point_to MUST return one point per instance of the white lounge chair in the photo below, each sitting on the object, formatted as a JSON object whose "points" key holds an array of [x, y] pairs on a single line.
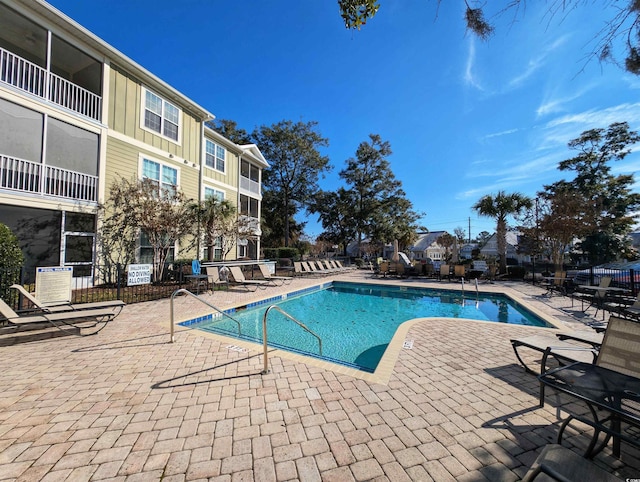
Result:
{"points": [[115, 305], [238, 278], [273, 278]]}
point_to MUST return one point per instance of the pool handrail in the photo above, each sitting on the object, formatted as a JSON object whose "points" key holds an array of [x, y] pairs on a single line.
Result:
{"points": [[185, 291], [264, 333]]}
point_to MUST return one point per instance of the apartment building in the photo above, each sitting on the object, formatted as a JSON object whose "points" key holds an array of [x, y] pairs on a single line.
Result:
{"points": [[75, 115]]}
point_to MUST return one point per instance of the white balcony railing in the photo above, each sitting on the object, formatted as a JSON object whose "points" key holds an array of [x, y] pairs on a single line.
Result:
{"points": [[27, 176], [24, 75], [249, 185]]}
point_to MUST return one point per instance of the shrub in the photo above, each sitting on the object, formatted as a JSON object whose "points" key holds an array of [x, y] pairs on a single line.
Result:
{"points": [[288, 253], [11, 260], [270, 253]]}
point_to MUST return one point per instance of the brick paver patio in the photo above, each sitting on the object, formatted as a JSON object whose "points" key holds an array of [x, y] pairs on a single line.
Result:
{"points": [[126, 405]]}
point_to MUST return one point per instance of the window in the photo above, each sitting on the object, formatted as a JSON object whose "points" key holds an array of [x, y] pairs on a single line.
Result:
{"points": [[146, 250], [215, 156], [160, 116], [211, 192], [249, 171], [248, 206], [217, 249], [165, 177]]}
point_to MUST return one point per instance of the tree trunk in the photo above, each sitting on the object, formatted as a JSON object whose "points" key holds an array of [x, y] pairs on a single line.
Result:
{"points": [[501, 234]]}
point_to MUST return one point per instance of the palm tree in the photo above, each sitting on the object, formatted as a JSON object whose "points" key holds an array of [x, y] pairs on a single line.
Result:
{"points": [[500, 207], [215, 215]]}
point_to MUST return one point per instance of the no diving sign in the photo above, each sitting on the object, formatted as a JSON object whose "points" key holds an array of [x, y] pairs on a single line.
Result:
{"points": [[139, 274]]}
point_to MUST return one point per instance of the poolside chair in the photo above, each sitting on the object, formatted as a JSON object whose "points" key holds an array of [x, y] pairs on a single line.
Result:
{"points": [[115, 305], [583, 347], [592, 298], [444, 271], [311, 268], [340, 265], [239, 279], [297, 269], [324, 264], [267, 276], [79, 319], [214, 277], [556, 462]]}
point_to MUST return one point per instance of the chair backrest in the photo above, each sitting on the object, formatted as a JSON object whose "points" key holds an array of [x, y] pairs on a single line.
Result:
{"points": [[384, 267], [297, 267], [605, 281], [22, 290], [444, 270], [195, 267], [212, 273], [620, 350], [237, 274], [264, 271], [459, 270], [308, 266], [6, 311]]}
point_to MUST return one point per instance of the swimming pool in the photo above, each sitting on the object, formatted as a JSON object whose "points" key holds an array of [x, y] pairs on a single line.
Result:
{"points": [[357, 321]]}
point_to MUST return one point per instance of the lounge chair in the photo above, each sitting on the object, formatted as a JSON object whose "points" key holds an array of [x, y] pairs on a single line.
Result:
{"points": [[444, 271], [556, 462], [311, 268], [609, 387], [238, 278], [340, 265], [214, 278], [115, 305], [298, 270], [276, 280], [592, 296], [563, 351], [556, 283], [90, 318], [326, 266]]}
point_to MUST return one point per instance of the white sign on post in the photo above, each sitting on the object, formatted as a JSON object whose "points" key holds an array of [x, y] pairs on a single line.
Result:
{"points": [[53, 285], [139, 274]]}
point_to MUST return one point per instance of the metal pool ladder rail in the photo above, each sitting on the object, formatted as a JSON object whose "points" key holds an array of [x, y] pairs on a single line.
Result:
{"points": [[187, 292], [264, 333]]}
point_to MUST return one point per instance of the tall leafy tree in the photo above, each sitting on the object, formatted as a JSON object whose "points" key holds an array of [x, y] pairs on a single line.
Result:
{"points": [[292, 150], [380, 208], [334, 209], [500, 207], [230, 130], [608, 204], [164, 215], [620, 33]]}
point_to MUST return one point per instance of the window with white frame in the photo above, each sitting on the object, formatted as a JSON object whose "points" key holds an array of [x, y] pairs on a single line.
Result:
{"points": [[161, 116], [211, 192], [215, 156], [165, 177], [248, 206]]}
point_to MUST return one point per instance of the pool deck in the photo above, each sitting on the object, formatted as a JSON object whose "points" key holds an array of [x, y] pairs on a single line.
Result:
{"points": [[127, 405]]}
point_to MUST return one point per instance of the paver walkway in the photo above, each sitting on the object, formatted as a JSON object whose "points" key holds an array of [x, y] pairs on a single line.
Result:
{"points": [[126, 405]]}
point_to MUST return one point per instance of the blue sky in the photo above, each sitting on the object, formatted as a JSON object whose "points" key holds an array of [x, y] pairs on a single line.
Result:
{"points": [[464, 117]]}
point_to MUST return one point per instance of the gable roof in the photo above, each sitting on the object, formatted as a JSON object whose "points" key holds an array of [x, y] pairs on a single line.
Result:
{"points": [[425, 240]]}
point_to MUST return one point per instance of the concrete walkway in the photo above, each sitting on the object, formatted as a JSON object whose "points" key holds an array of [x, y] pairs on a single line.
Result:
{"points": [[127, 405]]}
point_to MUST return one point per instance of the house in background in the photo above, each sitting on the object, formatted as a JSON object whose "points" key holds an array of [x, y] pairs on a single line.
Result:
{"points": [[75, 116], [490, 249], [427, 247]]}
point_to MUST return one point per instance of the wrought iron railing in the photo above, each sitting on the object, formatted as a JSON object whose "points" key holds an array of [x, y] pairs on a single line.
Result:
{"points": [[32, 78], [27, 176]]}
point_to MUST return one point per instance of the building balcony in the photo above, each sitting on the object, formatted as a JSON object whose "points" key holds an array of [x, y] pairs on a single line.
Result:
{"points": [[250, 186], [30, 177], [33, 79]]}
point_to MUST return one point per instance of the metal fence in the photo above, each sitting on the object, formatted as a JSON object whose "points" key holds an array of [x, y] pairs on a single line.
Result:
{"points": [[101, 283]]}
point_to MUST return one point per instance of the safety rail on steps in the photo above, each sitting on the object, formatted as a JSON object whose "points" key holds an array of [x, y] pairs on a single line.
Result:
{"points": [[264, 333], [187, 292]]}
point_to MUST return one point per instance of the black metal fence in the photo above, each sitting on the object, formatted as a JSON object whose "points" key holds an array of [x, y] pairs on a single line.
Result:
{"points": [[103, 282]]}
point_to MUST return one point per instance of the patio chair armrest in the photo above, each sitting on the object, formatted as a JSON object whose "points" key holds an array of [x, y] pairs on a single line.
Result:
{"points": [[549, 351], [545, 469]]}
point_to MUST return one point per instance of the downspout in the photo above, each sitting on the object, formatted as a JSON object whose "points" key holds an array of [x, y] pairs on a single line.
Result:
{"points": [[200, 182]]}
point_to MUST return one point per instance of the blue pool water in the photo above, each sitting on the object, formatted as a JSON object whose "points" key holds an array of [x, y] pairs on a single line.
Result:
{"points": [[357, 321]]}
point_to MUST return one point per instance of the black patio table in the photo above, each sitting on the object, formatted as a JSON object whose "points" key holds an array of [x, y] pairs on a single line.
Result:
{"points": [[613, 398]]}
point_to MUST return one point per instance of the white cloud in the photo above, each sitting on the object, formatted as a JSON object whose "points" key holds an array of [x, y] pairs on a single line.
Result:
{"points": [[500, 134], [469, 77], [536, 63]]}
